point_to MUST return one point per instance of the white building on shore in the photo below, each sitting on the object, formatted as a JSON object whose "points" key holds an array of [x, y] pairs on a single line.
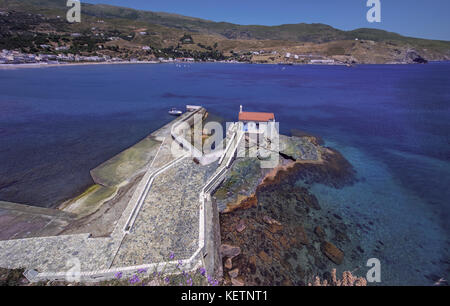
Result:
{"points": [[322, 61]]}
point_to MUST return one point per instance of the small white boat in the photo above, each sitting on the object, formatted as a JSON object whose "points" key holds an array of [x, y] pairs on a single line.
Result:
{"points": [[175, 112]]}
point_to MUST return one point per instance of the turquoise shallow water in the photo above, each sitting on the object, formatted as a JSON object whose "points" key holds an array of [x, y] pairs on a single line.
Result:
{"points": [[413, 233], [391, 122]]}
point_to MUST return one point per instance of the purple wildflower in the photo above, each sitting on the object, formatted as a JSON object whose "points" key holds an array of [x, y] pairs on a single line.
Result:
{"points": [[172, 255], [142, 271], [212, 281], [167, 280], [118, 275], [135, 279], [189, 282], [202, 271]]}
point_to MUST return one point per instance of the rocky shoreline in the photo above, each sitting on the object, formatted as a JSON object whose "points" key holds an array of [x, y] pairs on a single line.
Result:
{"points": [[275, 232]]}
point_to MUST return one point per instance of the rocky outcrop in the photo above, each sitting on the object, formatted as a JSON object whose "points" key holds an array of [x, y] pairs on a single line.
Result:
{"points": [[242, 202], [282, 234], [331, 169], [316, 140], [299, 148], [412, 56]]}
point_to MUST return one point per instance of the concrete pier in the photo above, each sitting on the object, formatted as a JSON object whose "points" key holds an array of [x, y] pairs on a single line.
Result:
{"points": [[162, 207]]}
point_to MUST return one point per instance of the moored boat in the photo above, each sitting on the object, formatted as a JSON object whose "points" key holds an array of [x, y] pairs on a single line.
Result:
{"points": [[175, 112]]}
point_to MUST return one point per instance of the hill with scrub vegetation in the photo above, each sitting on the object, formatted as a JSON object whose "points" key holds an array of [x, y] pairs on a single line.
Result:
{"points": [[40, 26]]}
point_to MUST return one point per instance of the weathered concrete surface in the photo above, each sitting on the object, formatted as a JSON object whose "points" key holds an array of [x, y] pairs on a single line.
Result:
{"points": [[171, 219], [102, 221], [136, 159], [23, 221], [125, 165], [90, 201], [100, 207], [168, 221]]}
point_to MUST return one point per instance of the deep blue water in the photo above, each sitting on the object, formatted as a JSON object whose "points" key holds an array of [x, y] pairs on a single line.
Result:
{"points": [[391, 122]]}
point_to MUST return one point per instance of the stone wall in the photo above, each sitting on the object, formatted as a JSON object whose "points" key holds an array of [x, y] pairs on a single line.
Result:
{"points": [[212, 260]]}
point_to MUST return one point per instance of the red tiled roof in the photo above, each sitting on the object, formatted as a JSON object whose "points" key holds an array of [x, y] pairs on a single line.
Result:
{"points": [[254, 116]]}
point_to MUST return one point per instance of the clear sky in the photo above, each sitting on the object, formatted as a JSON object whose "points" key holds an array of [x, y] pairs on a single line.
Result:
{"points": [[417, 18]]}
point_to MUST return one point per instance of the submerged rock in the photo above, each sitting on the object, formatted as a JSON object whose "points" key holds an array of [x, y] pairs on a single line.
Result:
{"points": [[272, 251], [332, 252], [230, 251], [301, 235], [319, 232], [234, 273], [228, 263], [241, 226], [237, 281], [275, 228], [270, 220], [332, 169], [265, 258], [303, 196]]}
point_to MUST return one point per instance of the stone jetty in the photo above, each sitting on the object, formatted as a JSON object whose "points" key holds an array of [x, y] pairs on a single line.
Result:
{"points": [[150, 210]]}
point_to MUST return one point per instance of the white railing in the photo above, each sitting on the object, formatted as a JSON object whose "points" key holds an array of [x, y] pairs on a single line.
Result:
{"points": [[226, 149], [181, 140], [132, 218]]}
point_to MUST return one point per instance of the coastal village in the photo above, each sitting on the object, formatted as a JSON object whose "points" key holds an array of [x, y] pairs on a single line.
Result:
{"points": [[17, 57]]}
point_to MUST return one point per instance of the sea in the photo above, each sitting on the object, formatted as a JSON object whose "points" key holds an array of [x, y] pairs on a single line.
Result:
{"points": [[391, 122]]}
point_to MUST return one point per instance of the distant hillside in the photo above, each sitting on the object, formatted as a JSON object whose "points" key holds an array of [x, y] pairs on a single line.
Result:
{"points": [[165, 30]]}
